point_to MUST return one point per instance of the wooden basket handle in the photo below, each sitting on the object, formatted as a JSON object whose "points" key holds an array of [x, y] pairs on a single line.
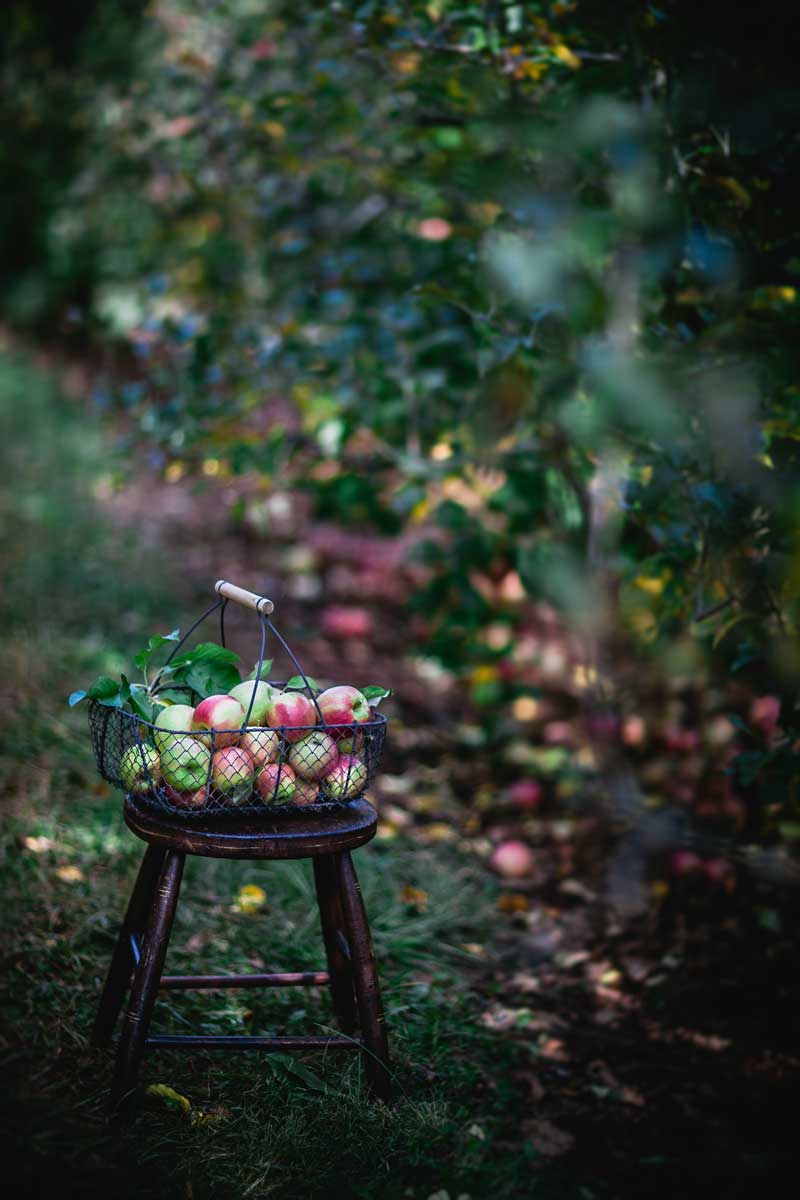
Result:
{"points": [[241, 596]]}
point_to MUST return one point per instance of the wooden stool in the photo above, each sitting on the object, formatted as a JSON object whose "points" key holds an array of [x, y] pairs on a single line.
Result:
{"points": [[142, 943]]}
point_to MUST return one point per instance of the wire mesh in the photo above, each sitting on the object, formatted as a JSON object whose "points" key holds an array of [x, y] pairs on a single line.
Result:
{"points": [[179, 768]]}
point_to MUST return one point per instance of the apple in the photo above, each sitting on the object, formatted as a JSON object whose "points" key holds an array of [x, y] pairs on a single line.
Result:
{"points": [[720, 872], [177, 717], [276, 783], [346, 779], [243, 692], [139, 769], [512, 859], [293, 712], [263, 745], [185, 764], [349, 745], [343, 706], [195, 799], [313, 755], [340, 621], [223, 716], [233, 773], [684, 862], [306, 791], [526, 794]]}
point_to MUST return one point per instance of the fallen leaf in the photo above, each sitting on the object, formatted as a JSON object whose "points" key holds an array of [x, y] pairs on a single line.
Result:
{"points": [[250, 898], [168, 1097], [553, 1049], [38, 845], [547, 1138], [414, 897], [512, 902], [70, 874]]}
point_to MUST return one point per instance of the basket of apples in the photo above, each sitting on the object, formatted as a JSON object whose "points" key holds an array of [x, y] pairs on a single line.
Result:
{"points": [[198, 739]]}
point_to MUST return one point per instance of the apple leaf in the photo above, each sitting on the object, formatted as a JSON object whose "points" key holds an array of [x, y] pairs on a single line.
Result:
{"points": [[297, 682], [211, 679], [157, 640], [105, 690], [266, 667], [206, 652], [374, 694], [140, 702]]}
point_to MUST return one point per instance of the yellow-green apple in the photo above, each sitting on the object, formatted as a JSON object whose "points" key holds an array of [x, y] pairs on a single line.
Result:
{"points": [[313, 755], [185, 763], [276, 783], [306, 791], [347, 778], [139, 769], [176, 717], [223, 716], [233, 774], [342, 707], [264, 745], [195, 799], [352, 744], [243, 692], [293, 712]]}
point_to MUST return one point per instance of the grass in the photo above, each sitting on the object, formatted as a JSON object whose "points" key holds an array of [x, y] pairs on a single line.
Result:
{"points": [[81, 596]]}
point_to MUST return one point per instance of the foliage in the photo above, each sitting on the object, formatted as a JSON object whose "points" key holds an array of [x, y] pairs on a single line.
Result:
{"points": [[516, 278]]}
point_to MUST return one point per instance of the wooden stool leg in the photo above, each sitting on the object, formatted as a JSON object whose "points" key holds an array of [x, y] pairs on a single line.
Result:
{"points": [[146, 980], [333, 927], [119, 972], [368, 992]]}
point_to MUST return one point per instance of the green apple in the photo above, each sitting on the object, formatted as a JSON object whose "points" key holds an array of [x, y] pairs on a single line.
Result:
{"points": [[264, 745], [139, 769], [185, 763], [276, 783], [313, 756], [347, 779], [243, 692], [176, 717]]}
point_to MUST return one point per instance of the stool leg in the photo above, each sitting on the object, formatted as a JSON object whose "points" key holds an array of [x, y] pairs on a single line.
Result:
{"points": [[330, 914], [368, 992], [146, 980], [119, 972]]}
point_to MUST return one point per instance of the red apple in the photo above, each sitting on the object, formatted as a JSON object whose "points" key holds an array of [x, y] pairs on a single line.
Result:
{"points": [[512, 859], [244, 693], [340, 621], [276, 783], [720, 872], [346, 779], [684, 862], [342, 707], [306, 791], [195, 799], [263, 745], [526, 794], [292, 712], [224, 716], [313, 755], [233, 774]]}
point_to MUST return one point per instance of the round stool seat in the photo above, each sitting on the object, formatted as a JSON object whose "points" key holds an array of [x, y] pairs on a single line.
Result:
{"points": [[292, 835]]}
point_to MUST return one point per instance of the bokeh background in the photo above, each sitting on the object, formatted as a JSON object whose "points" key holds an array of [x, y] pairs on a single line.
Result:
{"points": [[468, 333]]}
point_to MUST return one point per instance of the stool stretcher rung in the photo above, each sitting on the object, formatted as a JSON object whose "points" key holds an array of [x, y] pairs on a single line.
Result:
{"points": [[188, 1041], [280, 979]]}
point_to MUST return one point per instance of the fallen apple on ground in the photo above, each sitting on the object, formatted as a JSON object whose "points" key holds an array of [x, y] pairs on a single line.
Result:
{"points": [[512, 859], [176, 717], [526, 794], [139, 769], [222, 716], [313, 755], [233, 774], [185, 765], [276, 783]]}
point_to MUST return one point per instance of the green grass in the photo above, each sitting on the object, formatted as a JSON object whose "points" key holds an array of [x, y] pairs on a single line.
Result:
{"points": [[80, 597]]}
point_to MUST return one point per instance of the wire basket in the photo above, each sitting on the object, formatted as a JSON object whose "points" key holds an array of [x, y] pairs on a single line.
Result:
{"points": [[200, 758]]}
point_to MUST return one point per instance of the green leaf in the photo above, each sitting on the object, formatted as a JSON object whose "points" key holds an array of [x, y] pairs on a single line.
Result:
{"points": [[105, 690], [75, 698], [374, 693], [297, 682], [143, 657], [210, 678], [206, 652], [266, 667]]}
